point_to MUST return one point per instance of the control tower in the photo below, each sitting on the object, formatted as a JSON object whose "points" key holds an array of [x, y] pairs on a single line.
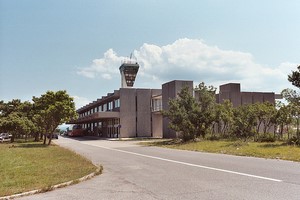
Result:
{"points": [[128, 71]]}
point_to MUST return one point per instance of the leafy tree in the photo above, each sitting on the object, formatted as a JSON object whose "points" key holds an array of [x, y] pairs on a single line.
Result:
{"points": [[244, 121], [17, 125], [52, 109], [294, 78], [205, 97], [16, 118], [192, 117], [183, 114], [293, 98], [265, 113], [9, 107], [40, 129], [224, 116], [283, 117]]}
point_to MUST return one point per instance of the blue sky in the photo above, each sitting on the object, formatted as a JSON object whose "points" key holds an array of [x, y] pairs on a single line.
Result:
{"points": [[78, 45]]}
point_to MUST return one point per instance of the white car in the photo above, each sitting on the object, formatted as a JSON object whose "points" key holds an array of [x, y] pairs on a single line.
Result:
{"points": [[5, 137]]}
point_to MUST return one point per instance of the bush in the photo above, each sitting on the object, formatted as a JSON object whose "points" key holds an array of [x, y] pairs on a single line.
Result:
{"points": [[266, 138], [293, 141], [213, 137]]}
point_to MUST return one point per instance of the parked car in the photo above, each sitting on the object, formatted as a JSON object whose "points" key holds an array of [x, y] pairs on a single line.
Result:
{"points": [[5, 137]]}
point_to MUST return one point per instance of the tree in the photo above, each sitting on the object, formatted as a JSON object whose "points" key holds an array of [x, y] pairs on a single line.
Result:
{"points": [[224, 116], [294, 78], [244, 121], [16, 118], [52, 109], [265, 113], [205, 97], [182, 114], [293, 98], [283, 117], [190, 116]]}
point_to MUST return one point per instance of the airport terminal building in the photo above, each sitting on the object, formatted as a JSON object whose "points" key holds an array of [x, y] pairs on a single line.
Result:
{"points": [[136, 112]]}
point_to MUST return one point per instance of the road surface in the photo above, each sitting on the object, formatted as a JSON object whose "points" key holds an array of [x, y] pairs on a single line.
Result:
{"points": [[136, 172]]}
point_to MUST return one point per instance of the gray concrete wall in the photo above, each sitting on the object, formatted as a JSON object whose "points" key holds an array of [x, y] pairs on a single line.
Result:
{"points": [[157, 125], [230, 87], [168, 92], [231, 91], [155, 92], [143, 112], [254, 97], [128, 112], [270, 97], [236, 98], [135, 113], [223, 96], [247, 98], [258, 97]]}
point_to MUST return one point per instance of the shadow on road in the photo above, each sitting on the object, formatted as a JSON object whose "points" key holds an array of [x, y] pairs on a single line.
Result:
{"points": [[87, 138]]}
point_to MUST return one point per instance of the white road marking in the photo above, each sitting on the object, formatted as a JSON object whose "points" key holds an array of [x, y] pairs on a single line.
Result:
{"points": [[188, 164]]}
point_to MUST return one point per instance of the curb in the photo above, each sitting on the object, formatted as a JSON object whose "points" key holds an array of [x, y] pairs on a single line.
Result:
{"points": [[98, 171]]}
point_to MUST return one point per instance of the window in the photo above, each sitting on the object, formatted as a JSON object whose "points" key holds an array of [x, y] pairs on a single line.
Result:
{"points": [[110, 105], [104, 107], [117, 103], [156, 104]]}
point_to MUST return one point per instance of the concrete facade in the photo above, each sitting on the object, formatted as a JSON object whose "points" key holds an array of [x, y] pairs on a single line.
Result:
{"points": [[232, 92], [135, 112], [125, 113], [128, 112]]}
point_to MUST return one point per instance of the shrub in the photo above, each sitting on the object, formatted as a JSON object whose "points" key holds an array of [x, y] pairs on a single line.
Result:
{"points": [[266, 138], [293, 141], [213, 137]]}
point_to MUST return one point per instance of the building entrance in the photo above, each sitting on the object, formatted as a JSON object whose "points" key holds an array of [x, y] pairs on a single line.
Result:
{"points": [[109, 128]]}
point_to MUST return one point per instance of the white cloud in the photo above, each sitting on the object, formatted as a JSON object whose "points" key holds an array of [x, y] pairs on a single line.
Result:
{"points": [[104, 67], [80, 101], [193, 59], [106, 76]]}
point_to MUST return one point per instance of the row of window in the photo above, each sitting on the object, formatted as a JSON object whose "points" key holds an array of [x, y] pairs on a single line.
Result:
{"points": [[156, 106], [102, 108]]}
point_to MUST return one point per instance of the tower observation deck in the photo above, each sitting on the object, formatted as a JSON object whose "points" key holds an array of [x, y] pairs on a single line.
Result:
{"points": [[128, 70]]}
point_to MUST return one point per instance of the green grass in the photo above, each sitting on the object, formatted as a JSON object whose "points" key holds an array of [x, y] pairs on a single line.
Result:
{"points": [[29, 166], [276, 150]]}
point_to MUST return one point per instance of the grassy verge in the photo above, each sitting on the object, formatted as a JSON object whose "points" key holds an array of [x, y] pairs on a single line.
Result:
{"points": [[29, 166], [276, 150]]}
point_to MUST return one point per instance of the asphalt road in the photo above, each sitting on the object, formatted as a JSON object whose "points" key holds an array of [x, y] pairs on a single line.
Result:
{"points": [[136, 172]]}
